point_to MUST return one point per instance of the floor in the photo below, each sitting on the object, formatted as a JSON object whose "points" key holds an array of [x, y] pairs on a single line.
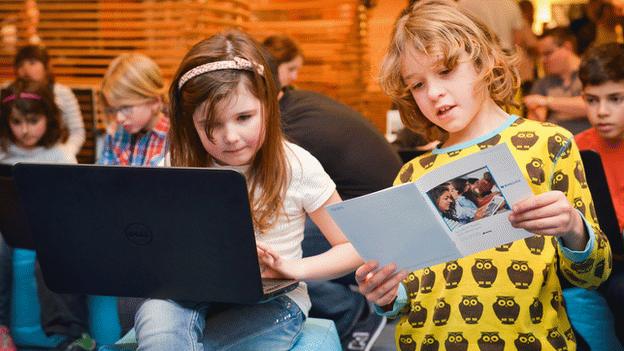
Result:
{"points": [[385, 342]]}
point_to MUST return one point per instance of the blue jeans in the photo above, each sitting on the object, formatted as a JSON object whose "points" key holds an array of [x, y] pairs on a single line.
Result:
{"points": [[332, 299], [6, 281], [168, 325]]}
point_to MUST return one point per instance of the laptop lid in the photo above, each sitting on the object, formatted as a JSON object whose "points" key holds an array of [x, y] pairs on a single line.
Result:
{"points": [[597, 182], [175, 233], [13, 225]]}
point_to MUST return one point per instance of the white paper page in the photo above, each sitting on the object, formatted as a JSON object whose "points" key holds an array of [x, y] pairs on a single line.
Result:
{"points": [[395, 225], [494, 230]]}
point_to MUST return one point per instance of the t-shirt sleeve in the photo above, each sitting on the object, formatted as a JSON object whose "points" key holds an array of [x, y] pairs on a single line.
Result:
{"points": [[72, 117], [313, 184], [590, 267]]}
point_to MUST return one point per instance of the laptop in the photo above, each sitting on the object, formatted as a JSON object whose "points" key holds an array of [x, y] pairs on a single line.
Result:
{"points": [[170, 233], [13, 225], [597, 182]]}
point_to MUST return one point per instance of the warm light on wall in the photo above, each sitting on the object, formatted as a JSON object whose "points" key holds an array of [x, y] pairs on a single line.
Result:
{"points": [[542, 15]]}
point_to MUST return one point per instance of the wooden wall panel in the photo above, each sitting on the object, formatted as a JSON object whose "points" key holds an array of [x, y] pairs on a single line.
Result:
{"points": [[84, 36], [332, 36]]}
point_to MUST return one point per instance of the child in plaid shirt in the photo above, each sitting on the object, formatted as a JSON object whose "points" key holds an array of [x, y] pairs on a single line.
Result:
{"points": [[133, 94]]}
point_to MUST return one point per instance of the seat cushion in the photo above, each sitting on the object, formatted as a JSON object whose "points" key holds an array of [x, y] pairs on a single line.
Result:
{"points": [[25, 308], [591, 318]]}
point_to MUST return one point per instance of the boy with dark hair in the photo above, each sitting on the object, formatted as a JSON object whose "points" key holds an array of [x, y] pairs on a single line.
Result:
{"points": [[602, 75]]}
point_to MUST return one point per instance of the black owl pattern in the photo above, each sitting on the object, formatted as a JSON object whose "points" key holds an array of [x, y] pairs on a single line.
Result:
{"points": [[406, 343], [506, 309], [455, 341], [428, 280], [471, 309], [473, 305], [452, 274], [490, 341], [520, 274], [527, 342], [484, 272], [429, 343]]}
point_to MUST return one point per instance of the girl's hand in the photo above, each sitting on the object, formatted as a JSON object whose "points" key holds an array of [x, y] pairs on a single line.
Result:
{"points": [[551, 213], [272, 265], [379, 286]]}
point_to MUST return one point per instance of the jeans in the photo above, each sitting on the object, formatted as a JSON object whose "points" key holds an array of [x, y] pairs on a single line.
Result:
{"points": [[6, 281], [168, 325], [332, 299], [64, 314]]}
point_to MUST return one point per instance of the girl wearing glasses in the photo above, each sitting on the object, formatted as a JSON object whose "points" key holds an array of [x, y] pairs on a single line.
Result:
{"points": [[133, 95]]}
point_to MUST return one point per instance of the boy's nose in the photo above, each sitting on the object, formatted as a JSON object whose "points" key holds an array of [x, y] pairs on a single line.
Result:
{"points": [[435, 92], [603, 110]]}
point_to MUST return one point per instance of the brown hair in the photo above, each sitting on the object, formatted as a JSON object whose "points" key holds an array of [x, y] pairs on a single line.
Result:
{"points": [[282, 48], [440, 27], [269, 172], [602, 64], [42, 105], [560, 35], [34, 53]]}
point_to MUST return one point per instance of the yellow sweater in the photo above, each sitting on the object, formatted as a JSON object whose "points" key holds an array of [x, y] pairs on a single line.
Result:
{"points": [[509, 297]]}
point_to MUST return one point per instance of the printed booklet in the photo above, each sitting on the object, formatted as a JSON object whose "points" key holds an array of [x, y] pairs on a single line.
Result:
{"points": [[451, 212]]}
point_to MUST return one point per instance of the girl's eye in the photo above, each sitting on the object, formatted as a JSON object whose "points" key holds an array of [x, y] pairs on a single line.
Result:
{"points": [[243, 118]]}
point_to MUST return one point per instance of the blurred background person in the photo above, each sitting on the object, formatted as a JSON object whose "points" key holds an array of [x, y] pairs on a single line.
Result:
{"points": [[289, 58]]}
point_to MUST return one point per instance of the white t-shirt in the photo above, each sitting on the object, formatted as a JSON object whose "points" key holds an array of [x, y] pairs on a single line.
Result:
{"points": [[308, 189], [502, 16]]}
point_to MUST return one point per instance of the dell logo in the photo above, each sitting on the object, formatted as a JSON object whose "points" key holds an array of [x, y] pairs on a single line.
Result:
{"points": [[138, 234]]}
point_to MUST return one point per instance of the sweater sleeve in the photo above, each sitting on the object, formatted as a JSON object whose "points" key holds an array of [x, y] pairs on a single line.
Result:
{"points": [[70, 112], [591, 267]]}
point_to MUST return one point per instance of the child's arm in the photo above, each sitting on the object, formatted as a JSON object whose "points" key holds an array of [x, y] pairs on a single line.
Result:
{"points": [[335, 262], [584, 252]]}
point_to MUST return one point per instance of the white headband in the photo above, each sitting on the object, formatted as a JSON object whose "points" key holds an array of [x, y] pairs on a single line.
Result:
{"points": [[235, 63]]}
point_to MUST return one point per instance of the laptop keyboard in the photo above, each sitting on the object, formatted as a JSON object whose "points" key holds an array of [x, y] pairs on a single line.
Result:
{"points": [[270, 285]]}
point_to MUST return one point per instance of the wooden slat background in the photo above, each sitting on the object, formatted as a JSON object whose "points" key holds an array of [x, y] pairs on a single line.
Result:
{"points": [[83, 36], [332, 36]]}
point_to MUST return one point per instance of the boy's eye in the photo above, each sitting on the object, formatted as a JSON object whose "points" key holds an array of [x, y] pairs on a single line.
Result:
{"points": [[590, 100], [415, 86], [616, 99], [445, 71]]}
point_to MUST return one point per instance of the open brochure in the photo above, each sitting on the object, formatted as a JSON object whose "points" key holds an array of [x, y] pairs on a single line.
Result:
{"points": [[451, 212]]}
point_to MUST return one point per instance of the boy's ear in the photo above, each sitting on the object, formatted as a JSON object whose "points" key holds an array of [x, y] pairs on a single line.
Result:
{"points": [[568, 45]]}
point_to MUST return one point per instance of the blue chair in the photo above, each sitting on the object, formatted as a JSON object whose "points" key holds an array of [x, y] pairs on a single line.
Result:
{"points": [[25, 309], [317, 335]]}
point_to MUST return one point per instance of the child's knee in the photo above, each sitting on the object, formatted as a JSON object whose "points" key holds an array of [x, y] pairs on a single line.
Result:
{"points": [[156, 317]]}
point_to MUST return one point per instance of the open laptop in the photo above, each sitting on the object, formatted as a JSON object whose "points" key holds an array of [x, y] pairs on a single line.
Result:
{"points": [[171, 233], [597, 182], [13, 225]]}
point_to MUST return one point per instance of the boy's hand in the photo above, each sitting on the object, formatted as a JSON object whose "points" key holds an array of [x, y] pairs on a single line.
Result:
{"points": [[551, 213], [379, 286]]}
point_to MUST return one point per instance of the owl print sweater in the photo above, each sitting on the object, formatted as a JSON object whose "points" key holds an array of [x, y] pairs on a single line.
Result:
{"points": [[508, 297]]}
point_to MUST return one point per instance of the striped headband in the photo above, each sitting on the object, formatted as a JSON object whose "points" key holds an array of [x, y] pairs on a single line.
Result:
{"points": [[28, 96], [235, 63]]}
